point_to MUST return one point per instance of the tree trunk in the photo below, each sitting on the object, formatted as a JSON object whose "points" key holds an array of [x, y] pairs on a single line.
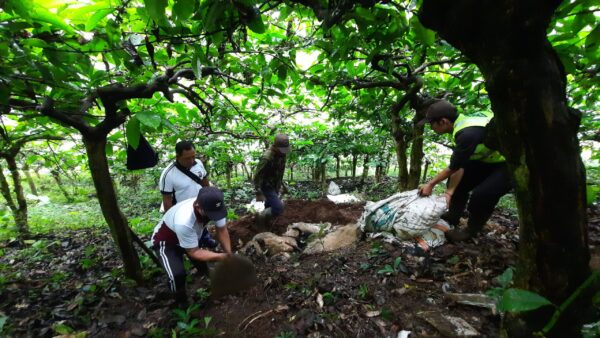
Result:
{"points": [[427, 163], [228, 166], [59, 183], [291, 172], [401, 149], [107, 197], [538, 135], [20, 213], [337, 166], [354, 163], [5, 190], [416, 158], [29, 179], [365, 172]]}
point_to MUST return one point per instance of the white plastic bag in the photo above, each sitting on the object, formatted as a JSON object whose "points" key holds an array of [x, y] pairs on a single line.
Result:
{"points": [[255, 206]]}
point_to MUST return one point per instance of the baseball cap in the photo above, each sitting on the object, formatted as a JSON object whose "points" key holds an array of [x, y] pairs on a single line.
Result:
{"points": [[211, 201], [282, 142], [438, 110]]}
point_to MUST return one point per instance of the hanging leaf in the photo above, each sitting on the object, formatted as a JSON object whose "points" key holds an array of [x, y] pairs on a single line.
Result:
{"points": [[183, 9], [34, 12], [149, 119], [94, 19], [591, 41], [256, 23], [156, 10], [132, 131], [518, 300], [426, 36]]}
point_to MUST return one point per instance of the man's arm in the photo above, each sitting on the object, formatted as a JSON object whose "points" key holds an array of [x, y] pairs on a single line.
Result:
{"points": [[204, 182], [167, 201], [223, 238], [204, 255], [427, 188]]}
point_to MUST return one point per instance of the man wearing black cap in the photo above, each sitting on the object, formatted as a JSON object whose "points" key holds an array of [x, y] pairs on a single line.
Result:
{"points": [[268, 180], [179, 231], [474, 169]]}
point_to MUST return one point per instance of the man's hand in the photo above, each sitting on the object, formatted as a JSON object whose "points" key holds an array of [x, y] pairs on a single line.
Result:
{"points": [[260, 197], [426, 189]]}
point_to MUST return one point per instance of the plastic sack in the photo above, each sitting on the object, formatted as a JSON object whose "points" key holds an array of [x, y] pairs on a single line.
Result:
{"points": [[406, 214]]}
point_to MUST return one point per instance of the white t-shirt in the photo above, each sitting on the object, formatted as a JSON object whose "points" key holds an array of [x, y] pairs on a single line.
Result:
{"points": [[172, 180], [181, 219]]}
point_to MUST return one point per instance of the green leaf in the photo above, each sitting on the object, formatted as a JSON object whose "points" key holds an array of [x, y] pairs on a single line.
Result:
{"points": [[156, 9], [149, 119], [183, 9], [35, 12], [506, 277], [94, 19], [426, 36], [256, 24], [34, 42], [132, 131], [518, 300], [591, 41]]}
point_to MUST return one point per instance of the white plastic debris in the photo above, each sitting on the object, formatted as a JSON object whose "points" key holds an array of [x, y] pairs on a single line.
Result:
{"points": [[343, 198], [255, 206], [41, 199], [333, 189], [403, 334]]}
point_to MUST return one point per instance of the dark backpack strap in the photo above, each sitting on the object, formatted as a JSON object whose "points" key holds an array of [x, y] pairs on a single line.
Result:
{"points": [[188, 173]]}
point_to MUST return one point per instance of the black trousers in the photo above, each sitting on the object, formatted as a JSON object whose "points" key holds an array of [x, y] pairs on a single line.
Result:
{"points": [[171, 259], [485, 183]]}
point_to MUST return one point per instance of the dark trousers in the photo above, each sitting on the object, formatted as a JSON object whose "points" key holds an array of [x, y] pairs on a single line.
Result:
{"points": [[171, 259], [486, 183], [273, 201]]}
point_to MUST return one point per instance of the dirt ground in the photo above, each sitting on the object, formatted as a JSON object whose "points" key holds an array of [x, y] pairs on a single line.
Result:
{"points": [[348, 293]]}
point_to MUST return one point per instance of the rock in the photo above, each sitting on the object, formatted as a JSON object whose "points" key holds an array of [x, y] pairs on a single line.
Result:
{"points": [[449, 326], [340, 238]]}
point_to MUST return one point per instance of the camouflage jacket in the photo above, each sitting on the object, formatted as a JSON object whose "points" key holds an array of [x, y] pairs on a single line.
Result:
{"points": [[269, 171]]}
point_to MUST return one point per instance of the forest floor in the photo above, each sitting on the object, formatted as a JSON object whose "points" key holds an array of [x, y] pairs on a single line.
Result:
{"points": [[70, 283]]}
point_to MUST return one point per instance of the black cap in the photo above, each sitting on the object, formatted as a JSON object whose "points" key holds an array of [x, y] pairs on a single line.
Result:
{"points": [[211, 201], [282, 142], [438, 110]]}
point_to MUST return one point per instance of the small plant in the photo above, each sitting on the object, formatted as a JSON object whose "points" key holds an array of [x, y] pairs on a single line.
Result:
{"points": [[202, 294], [393, 269], [376, 250], [328, 298], [285, 334], [188, 326], [363, 291]]}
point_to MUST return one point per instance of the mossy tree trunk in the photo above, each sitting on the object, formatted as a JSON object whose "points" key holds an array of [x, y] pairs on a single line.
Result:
{"points": [[96, 151]]}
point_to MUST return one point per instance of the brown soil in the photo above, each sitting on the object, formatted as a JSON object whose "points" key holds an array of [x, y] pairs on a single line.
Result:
{"points": [[342, 294], [320, 211]]}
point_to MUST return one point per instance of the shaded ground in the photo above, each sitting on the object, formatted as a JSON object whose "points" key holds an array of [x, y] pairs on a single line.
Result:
{"points": [[71, 282]]}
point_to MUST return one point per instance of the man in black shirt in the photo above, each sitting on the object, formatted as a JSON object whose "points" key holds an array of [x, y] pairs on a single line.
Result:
{"points": [[473, 169]]}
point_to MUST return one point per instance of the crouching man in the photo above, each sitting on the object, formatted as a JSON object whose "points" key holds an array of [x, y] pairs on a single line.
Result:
{"points": [[179, 231]]}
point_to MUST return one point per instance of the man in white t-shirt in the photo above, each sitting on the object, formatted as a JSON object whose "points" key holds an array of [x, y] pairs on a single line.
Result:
{"points": [[182, 180], [179, 232]]}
